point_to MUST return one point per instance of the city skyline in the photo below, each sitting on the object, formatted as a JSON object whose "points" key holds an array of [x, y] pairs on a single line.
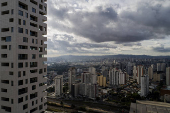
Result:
{"points": [[96, 27]]}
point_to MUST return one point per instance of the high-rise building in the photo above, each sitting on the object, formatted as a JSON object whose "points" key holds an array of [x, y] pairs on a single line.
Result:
{"points": [[114, 77], [58, 85], [72, 77], [92, 70], [134, 72], [22, 58], [168, 76], [140, 72], [122, 78], [150, 72], [144, 85]]}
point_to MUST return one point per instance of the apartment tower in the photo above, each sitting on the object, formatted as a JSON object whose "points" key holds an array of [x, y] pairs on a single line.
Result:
{"points": [[22, 51]]}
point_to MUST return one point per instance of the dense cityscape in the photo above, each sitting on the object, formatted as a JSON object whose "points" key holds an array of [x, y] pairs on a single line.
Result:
{"points": [[115, 83]]}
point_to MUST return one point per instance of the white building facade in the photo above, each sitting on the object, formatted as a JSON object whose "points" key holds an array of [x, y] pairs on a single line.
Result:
{"points": [[22, 48]]}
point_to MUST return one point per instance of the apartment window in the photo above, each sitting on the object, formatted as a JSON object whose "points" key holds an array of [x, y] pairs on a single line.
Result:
{"points": [[44, 69], [33, 56], [4, 99], [22, 56], [20, 30], [26, 64], [4, 47], [20, 100], [6, 39], [24, 22], [20, 65], [3, 55], [19, 21], [33, 25], [33, 1], [20, 82], [12, 101], [32, 40], [25, 39], [11, 20], [25, 106], [5, 12], [45, 8], [12, 29], [19, 74], [11, 73], [45, 29], [9, 47], [33, 18], [5, 64], [26, 15], [5, 81], [33, 80], [20, 13], [33, 95], [12, 83], [23, 6], [33, 71], [26, 97], [36, 41], [12, 65], [4, 4], [12, 11], [8, 109], [26, 81], [40, 107], [4, 29], [3, 90], [33, 10], [33, 87], [24, 73], [22, 47], [40, 28], [41, 6], [33, 64], [22, 91], [33, 48], [41, 42], [32, 103], [26, 31]]}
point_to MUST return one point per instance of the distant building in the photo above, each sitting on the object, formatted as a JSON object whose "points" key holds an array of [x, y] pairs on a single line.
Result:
{"points": [[101, 81], [140, 72], [72, 77], [122, 78], [58, 85], [168, 76], [75, 89], [134, 72], [87, 77], [114, 77], [150, 72], [165, 94], [158, 76], [144, 85], [149, 107], [92, 70], [161, 67]]}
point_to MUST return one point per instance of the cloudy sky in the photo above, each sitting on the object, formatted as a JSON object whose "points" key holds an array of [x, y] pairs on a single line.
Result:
{"points": [[108, 27]]}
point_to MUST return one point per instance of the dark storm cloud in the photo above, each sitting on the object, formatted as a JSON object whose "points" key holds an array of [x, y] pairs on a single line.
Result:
{"points": [[161, 49], [105, 24]]}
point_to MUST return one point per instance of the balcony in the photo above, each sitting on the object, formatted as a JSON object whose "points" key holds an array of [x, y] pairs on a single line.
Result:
{"points": [[22, 91], [23, 6]]}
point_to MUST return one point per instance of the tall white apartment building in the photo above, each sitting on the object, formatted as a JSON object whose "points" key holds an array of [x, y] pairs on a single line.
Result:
{"points": [[140, 72], [144, 85], [72, 77], [114, 77], [92, 70], [58, 85], [150, 72], [22, 51]]}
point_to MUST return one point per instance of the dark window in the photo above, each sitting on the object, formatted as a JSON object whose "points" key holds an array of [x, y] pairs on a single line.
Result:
{"points": [[23, 6], [3, 90], [24, 22], [4, 4], [20, 13], [33, 80], [20, 65], [25, 106], [12, 29], [11, 20], [20, 30], [25, 39], [26, 31], [20, 100], [33, 1], [33, 10], [22, 91], [20, 82], [5, 12], [8, 109], [5, 81]]}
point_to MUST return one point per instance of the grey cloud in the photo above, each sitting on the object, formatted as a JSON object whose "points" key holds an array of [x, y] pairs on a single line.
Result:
{"points": [[132, 44], [161, 49], [148, 22]]}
